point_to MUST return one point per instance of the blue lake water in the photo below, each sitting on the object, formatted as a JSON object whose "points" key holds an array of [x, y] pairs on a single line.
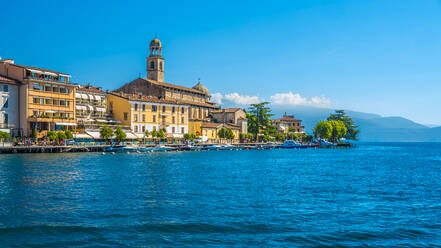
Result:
{"points": [[375, 195]]}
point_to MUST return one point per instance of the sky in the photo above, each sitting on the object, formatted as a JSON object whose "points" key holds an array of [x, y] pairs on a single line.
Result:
{"points": [[372, 56]]}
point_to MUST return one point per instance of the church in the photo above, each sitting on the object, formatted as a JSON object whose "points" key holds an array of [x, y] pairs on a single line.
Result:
{"points": [[196, 98]]}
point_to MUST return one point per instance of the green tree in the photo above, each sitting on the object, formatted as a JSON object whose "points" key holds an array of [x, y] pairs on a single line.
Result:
{"points": [[187, 136], [34, 133], [161, 134], [281, 137], [106, 133], [352, 130], [323, 130], [147, 133], [120, 135], [60, 136], [68, 134], [259, 119], [51, 135], [222, 133], [4, 135], [230, 134], [338, 130]]}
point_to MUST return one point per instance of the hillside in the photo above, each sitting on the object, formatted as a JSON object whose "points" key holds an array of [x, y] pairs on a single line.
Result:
{"points": [[373, 127]]}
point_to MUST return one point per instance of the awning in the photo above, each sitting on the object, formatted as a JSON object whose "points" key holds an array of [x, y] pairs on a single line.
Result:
{"points": [[50, 73], [177, 135], [77, 95], [80, 107], [90, 97], [101, 120], [65, 124], [94, 134], [131, 135], [90, 107], [35, 71], [100, 109], [49, 111], [81, 136], [84, 96], [98, 98]]}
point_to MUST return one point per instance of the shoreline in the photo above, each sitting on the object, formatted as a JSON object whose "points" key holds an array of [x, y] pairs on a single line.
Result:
{"points": [[175, 147]]}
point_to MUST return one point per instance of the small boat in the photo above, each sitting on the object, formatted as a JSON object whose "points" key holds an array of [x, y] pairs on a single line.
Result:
{"points": [[291, 144], [120, 148], [213, 147], [326, 144], [163, 148]]}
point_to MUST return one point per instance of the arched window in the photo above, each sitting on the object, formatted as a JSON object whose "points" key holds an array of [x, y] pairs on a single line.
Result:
{"points": [[152, 65]]}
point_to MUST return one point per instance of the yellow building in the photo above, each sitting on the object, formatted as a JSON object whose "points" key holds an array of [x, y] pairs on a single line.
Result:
{"points": [[209, 131], [46, 98], [143, 113]]}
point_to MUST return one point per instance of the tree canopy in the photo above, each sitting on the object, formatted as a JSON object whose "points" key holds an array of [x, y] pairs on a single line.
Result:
{"points": [[330, 130], [120, 135], [161, 134], [61, 136], [323, 130], [351, 129], [68, 134], [259, 120], [51, 135], [106, 133], [4, 135]]}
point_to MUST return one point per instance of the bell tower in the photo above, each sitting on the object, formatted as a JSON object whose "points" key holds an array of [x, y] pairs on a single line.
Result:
{"points": [[155, 61]]}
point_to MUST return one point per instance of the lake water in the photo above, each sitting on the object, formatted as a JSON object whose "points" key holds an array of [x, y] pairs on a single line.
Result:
{"points": [[373, 195]]}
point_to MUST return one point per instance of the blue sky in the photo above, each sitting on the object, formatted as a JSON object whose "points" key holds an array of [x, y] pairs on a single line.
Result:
{"points": [[373, 56]]}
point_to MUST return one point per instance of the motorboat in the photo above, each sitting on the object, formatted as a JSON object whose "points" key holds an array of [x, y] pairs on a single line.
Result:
{"points": [[327, 144], [162, 148], [120, 148], [290, 144]]}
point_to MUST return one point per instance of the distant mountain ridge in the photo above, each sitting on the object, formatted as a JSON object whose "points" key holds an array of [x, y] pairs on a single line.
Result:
{"points": [[373, 127]]}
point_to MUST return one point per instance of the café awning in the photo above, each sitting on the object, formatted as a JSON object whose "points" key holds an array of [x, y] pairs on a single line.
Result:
{"points": [[99, 109], [81, 136], [131, 135], [65, 124]]}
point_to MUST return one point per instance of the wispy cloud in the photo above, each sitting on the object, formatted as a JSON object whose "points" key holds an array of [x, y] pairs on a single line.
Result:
{"points": [[287, 99], [234, 98]]}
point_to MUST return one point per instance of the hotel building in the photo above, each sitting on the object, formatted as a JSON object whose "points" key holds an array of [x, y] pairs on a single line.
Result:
{"points": [[46, 98], [143, 113]]}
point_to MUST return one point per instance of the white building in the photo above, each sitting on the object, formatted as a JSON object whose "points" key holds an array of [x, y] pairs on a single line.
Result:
{"points": [[9, 106]]}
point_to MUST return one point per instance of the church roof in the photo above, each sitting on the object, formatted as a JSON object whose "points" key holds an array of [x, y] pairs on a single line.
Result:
{"points": [[201, 88], [156, 43], [173, 86]]}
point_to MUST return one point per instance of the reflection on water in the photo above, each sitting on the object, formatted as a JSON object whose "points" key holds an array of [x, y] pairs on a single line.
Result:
{"points": [[376, 194]]}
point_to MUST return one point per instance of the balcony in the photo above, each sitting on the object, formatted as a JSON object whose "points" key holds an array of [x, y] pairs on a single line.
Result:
{"points": [[46, 118], [47, 80]]}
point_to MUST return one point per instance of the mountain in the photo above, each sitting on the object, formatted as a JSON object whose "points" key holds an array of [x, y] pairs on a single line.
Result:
{"points": [[372, 127]]}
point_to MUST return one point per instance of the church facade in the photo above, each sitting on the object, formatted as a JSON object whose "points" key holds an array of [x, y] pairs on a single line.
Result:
{"points": [[195, 101]]}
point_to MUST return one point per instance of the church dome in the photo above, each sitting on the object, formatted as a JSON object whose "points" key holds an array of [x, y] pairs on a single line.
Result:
{"points": [[155, 43], [202, 88]]}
